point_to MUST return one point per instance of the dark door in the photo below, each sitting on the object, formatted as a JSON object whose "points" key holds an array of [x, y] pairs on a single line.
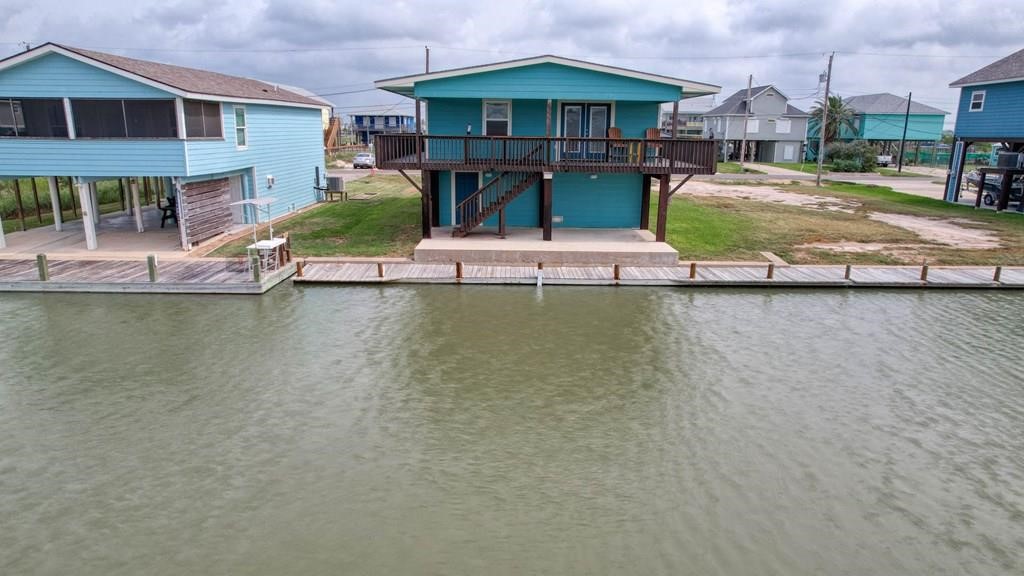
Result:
{"points": [[466, 183], [582, 120]]}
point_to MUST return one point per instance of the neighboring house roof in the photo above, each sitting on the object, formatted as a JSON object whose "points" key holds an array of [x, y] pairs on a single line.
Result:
{"points": [[736, 104], [186, 82], [886, 103], [403, 84], [1007, 69]]}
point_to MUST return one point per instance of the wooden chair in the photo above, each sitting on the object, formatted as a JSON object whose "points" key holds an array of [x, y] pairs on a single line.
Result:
{"points": [[653, 148], [616, 148]]}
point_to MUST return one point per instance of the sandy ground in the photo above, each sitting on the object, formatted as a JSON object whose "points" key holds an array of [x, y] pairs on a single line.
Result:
{"points": [[949, 232]]}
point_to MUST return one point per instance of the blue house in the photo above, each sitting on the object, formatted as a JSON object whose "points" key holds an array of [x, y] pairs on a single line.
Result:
{"points": [[366, 126], [543, 142], [210, 139], [991, 109]]}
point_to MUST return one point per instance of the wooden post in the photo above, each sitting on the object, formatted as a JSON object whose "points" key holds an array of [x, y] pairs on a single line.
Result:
{"points": [[419, 137], [501, 222], [615, 272], [771, 271], [380, 269], [997, 274], [663, 197], [254, 263], [124, 197], [94, 196], [693, 270], [1004, 192], [133, 186], [981, 189], [458, 271], [3, 238], [299, 268], [425, 203], [146, 191], [675, 119], [43, 266], [546, 194], [35, 196], [71, 192], [645, 203], [151, 267], [84, 193], [849, 270], [58, 216], [17, 202], [924, 273]]}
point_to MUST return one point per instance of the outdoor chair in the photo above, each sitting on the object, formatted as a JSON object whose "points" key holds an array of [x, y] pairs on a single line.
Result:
{"points": [[616, 147], [169, 211], [653, 148]]}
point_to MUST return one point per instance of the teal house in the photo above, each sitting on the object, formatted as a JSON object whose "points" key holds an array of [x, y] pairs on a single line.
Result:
{"points": [[880, 118], [208, 139], [544, 142]]}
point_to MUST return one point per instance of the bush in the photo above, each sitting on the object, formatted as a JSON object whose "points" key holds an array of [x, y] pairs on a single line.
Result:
{"points": [[858, 156]]}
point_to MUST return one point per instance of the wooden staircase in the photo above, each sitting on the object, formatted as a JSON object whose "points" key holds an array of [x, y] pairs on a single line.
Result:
{"points": [[491, 198]]}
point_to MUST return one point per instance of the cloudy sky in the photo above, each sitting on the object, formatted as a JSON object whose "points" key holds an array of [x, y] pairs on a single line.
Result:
{"points": [[338, 48]]}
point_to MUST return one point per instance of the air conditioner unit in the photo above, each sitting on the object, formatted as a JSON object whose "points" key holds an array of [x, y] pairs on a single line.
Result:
{"points": [[335, 184], [1010, 160]]}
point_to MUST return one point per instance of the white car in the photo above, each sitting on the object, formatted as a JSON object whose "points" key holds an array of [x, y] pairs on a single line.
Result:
{"points": [[883, 160], [364, 160]]}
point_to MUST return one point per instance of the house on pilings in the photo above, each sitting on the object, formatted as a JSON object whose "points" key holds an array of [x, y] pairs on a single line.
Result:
{"points": [[544, 142]]}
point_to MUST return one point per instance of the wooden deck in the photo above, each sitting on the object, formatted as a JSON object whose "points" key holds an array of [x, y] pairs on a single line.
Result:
{"points": [[705, 275], [186, 276]]}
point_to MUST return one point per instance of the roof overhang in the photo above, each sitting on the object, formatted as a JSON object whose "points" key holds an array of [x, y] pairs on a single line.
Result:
{"points": [[50, 48], [1000, 81], [405, 85]]}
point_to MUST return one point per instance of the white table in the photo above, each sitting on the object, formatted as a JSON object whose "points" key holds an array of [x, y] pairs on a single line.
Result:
{"points": [[268, 252]]}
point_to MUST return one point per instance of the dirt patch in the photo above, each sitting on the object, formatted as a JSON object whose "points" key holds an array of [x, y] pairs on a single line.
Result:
{"points": [[950, 232], [772, 195]]}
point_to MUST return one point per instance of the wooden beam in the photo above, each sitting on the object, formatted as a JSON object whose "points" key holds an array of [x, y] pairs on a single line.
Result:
{"points": [[547, 124], [84, 193], [663, 199], [17, 202], [124, 197], [58, 217], [133, 185], [546, 193], [645, 203], [71, 192], [675, 119], [680, 184], [411, 181], [146, 188], [419, 136], [35, 196], [425, 196]]}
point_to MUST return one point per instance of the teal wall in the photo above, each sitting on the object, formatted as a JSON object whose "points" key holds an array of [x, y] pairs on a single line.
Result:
{"points": [[924, 127], [449, 116], [1002, 116], [543, 81]]}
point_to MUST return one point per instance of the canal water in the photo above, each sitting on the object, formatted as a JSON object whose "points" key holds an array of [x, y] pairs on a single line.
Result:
{"points": [[506, 430]]}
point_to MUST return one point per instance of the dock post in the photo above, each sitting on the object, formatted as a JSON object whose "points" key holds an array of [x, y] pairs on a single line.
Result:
{"points": [[43, 266], [151, 263], [997, 274], [615, 272], [771, 271], [380, 269], [299, 265], [849, 269], [693, 270], [540, 274], [254, 263], [458, 271], [924, 272]]}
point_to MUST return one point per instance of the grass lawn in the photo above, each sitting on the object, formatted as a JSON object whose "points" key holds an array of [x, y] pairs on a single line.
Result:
{"points": [[735, 168], [385, 224], [806, 167], [715, 228], [904, 174]]}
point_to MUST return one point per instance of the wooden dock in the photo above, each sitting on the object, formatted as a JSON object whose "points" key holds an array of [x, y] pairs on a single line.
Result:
{"points": [[180, 276], [682, 275]]}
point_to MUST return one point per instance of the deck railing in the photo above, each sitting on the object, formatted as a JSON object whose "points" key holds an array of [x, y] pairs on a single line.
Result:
{"points": [[542, 154]]}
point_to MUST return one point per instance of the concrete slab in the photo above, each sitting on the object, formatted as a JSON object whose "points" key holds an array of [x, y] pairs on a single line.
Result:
{"points": [[568, 246], [116, 236]]}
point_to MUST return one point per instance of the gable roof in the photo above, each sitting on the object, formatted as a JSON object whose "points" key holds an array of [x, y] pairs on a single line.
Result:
{"points": [[179, 80], [1004, 70], [886, 103], [404, 84], [736, 104]]}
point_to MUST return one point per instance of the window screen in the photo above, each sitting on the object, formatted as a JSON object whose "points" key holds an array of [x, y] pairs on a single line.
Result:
{"points": [[33, 117], [99, 118], [202, 119], [150, 118]]}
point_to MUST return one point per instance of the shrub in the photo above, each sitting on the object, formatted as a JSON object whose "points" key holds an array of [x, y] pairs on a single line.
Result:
{"points": [[858, 156]]}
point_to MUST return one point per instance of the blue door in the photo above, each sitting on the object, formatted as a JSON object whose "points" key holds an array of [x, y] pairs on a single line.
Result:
{"points": [[585, 121], [466, 183]]}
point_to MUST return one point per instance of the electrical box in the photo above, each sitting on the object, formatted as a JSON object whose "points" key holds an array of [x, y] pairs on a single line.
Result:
{"points": [[335, 184], [271, 181]]}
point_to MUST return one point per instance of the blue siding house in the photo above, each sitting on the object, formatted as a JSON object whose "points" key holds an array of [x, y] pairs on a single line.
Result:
{"points": [[991, 109], [543, 142], [366, 126], [210, 138]]}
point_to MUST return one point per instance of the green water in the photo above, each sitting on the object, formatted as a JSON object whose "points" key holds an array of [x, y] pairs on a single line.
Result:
{"points": [[505, 430]]}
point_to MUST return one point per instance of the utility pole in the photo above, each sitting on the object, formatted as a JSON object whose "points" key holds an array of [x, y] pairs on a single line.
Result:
{"points": [[746, 116], [903, 141], [426, 50], [824, 121]]}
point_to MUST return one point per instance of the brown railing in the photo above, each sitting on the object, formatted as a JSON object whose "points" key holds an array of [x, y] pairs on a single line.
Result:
{"points": [[529, 153]]}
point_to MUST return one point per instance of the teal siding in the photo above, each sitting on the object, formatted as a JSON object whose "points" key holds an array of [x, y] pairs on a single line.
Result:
{"points": [[1001, 117], [609, 201], [543, 81], [94, 158], [444, 198], [524, 211], [57, 76], [449, 116], [634, 118], [282, 141], [890, 127]]}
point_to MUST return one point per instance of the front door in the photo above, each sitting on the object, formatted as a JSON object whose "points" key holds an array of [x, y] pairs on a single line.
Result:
{"points": [[466, 183], [584, 120]]}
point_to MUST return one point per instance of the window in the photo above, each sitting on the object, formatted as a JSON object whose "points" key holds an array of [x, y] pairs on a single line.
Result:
{"points": [[497, 118], [783, 126], [124, 118], [752, 126], [241, 130], [33, 118], [202, 119], [977, 101]]}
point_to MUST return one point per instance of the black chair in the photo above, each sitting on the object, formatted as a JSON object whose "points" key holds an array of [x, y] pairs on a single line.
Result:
{"points": [[170, 212]]}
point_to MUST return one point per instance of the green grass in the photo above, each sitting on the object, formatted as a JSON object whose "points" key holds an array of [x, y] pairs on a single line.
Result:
{"points": [[735, 168], [806, 167], [896, 174], [385, 224]]}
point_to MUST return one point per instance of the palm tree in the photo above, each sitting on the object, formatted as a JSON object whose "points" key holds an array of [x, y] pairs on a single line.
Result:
{"points": [[840, 116]]}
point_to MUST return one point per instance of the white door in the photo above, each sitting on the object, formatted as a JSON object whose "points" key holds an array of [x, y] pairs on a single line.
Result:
{"points": [[787, 152], [237, 214]]}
